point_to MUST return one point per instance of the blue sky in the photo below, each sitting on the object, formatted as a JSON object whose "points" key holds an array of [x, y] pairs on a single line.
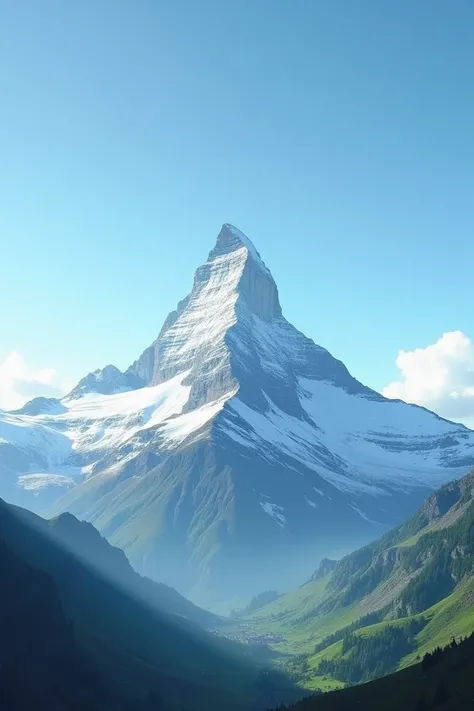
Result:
{"points": [[337, 135]]}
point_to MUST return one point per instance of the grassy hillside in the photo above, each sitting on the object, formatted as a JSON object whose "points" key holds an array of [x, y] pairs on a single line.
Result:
{"points": [[383, 606], [443, 681]]}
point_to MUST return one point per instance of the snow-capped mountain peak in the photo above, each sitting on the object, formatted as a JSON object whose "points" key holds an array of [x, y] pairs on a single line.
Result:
{"points": [[231, 239], [233, 441], [230, 287]]}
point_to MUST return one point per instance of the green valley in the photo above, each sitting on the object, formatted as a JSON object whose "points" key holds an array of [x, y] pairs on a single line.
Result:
{"points": [[382, 607], [442, 680]]}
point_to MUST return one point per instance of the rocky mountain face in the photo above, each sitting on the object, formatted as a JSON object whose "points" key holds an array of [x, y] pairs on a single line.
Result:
{"points": [[416, 564], [325, 567], [234, 451]]}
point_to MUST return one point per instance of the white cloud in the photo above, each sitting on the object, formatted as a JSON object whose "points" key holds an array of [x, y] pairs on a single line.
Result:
{"points": [[439, 376], [20, 383]]}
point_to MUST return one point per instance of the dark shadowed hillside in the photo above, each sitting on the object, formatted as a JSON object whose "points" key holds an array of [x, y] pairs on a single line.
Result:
{"points": [[85, 542], [40, 665], [138, 651]]}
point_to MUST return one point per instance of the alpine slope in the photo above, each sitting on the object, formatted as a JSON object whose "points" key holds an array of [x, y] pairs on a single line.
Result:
{"points": [[234, 452]]}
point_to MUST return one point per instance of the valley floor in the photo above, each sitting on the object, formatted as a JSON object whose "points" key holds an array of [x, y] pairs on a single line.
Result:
{"points": [[311, 648]]}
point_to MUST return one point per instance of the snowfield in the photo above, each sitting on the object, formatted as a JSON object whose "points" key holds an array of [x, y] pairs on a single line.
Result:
{"points": [[90, 427]]}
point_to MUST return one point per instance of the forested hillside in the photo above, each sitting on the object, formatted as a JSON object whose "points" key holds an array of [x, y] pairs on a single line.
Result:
{"points": [[384, 605], [442, 680]]}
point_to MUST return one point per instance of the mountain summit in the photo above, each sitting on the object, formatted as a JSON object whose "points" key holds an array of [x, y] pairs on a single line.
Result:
{"points": [[234, 451], [230, 288]]}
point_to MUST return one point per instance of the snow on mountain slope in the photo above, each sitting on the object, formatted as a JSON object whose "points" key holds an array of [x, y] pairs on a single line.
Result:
{"points": [[232, 440], [88, 428], [33, 435], [378, 442]]}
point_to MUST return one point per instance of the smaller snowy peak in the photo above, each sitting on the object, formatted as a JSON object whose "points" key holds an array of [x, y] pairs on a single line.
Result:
{"points": [[41, 406], [106, 381]]}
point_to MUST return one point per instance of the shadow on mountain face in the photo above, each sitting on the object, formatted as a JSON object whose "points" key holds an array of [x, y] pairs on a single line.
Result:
{"points": [[76, 629]]}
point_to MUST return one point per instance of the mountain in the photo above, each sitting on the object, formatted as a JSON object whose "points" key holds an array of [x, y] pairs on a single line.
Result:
{"points": [[234, 451], [41, 406], [133, 648], [86, 544], [106, 381], [381, 607]]}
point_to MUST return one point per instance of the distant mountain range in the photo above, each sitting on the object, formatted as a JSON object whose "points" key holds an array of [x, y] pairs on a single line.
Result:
{"points": [[234, 451]]}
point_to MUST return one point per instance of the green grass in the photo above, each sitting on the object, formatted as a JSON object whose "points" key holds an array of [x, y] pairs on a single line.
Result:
{"points": [[411, 569], [408, 542], [296, 603], [323, 683], [451, 617], [409, 689], [295, 619], [300, 638], [331, 652], [372, 630]]}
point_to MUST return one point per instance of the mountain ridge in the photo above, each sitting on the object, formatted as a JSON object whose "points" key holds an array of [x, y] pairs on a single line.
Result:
{"points": [[138, 649], [82, 540]]}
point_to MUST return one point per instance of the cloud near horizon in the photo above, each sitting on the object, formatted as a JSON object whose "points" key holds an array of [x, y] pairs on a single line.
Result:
{"points": [[439, 377], [20, 383]]}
